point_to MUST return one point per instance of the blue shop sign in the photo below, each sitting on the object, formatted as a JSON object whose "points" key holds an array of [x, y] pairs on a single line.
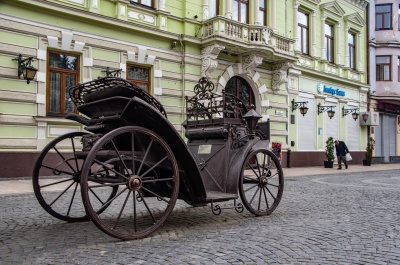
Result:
{"points": [[330, 90]]}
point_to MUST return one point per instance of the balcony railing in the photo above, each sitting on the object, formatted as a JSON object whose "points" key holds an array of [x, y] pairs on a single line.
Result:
{"points": [[247, 34]]}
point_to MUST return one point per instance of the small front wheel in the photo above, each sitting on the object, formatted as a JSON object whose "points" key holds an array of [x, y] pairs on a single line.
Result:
{"points": [[261, 182]]}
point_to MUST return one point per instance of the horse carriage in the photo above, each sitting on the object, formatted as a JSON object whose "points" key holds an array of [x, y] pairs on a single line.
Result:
{"points": [[131, 165]]}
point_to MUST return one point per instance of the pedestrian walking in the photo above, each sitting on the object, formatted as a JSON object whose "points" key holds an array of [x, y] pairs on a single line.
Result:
{"points": [[341, 151]]}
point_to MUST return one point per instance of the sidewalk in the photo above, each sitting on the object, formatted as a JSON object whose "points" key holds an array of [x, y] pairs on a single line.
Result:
{"points": [[9, 186]]}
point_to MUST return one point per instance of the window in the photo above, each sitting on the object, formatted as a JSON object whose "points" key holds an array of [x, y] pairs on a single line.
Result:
{"points": [[62, 73], [140, 76], [352, 49], [329, 42], [302, 31], [383, 68], [144, 2], [240, 10], [398, 69], [383, 17], [238, 87], [262, 17], [214, 8]]}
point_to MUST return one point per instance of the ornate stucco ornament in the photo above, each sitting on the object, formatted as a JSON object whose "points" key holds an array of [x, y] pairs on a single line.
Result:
{"points": [[279, 74], [251, 62], [209, 56]]}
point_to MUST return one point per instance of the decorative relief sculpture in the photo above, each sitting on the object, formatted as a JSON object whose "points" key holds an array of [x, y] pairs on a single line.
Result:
{"points": [[209, 56], [251, 62], [279, 74], [266, 35]]}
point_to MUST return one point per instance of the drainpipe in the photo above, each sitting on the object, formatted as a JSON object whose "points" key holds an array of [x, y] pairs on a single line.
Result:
{"points": [[183, 80]]}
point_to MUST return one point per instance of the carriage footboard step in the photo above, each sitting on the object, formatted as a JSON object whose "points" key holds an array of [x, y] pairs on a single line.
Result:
{"points": [[216, 209]]}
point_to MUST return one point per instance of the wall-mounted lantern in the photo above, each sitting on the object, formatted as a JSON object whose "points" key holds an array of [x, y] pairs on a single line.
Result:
{"points": [[25, 68], [301, 106], [329, 109], [353, 112]]}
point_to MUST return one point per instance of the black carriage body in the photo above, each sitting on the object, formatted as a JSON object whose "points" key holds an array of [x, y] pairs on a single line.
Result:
{"points": [[209, 164], [135, 160]]}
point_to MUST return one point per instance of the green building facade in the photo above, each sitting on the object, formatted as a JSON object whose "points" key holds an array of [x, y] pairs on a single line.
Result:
{"points": [[271, 53]]}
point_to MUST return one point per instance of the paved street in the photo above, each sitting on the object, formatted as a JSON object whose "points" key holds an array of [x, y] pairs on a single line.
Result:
{"points": [[341, 218]]}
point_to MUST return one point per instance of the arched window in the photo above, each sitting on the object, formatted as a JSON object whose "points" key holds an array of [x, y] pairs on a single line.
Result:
{"points": [[239, 87]]}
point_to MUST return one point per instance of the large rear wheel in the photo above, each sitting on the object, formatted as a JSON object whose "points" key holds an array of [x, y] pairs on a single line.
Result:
{"points": [[144, 167], [261, 182]]}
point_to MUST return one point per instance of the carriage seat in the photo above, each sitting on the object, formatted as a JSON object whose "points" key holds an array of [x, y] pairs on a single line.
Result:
{"points": [[117, 91]]}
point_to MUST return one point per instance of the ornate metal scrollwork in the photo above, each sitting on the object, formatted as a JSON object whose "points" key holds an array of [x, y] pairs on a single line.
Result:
{"points": [[209, 105]]}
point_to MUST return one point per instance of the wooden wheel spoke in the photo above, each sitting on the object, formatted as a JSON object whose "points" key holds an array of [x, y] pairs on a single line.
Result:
{"points": [[157, 180], [133, 152], [55, 183], [147, 207], [255, 193], [252, 187], [153, 193], [65, 160], [59, 170], [109, 168], [266, 200], [145, 156], [119, 156], [72, 199], [153, 167], [107, 203], [122, 209], [62, 193]]}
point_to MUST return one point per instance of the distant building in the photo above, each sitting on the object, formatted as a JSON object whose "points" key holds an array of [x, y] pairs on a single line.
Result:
{"points": [[269, 53], [384, 68]]}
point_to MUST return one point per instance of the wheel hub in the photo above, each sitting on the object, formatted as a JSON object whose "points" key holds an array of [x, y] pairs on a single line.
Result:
{"points": [[134, 183], [263, 181]]}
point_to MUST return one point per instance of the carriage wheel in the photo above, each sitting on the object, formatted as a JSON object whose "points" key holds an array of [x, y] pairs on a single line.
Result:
{"points": [[261, 182], [144, 167], [56, 179]]}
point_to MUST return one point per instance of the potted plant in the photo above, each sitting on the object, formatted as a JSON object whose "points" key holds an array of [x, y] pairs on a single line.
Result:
{"points": [[329, 153], [370, 150]]}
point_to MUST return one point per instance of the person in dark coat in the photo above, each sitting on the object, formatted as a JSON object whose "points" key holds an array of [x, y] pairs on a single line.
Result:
{"points": [[341, 151]]}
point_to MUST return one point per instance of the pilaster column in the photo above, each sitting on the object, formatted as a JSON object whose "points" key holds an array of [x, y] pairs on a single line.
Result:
{"points": [[295, 32], [206, 8], [346, 53], [314, 35], [273, 15], [228, 9], [338, 44], [209, 57], [358, 51], [256, 8], [161, 5], [323, 49]]}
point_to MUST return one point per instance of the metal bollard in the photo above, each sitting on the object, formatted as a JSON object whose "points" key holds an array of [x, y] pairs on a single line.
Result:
{"points": [[288, 157]]}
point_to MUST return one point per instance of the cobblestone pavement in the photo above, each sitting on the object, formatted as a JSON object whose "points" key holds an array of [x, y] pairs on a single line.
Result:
{"points": [[347, 218]]}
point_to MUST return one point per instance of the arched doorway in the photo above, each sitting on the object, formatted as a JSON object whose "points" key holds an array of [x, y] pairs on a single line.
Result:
{"points": [[240, 88]]}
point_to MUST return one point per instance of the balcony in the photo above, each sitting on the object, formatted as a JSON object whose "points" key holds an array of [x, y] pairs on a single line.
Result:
{"points": [[239, 38]]}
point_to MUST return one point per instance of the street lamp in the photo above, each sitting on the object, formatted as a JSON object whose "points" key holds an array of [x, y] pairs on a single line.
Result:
{"points": [[301, 106], [329, 109], [25, 68], [353, 112]]}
